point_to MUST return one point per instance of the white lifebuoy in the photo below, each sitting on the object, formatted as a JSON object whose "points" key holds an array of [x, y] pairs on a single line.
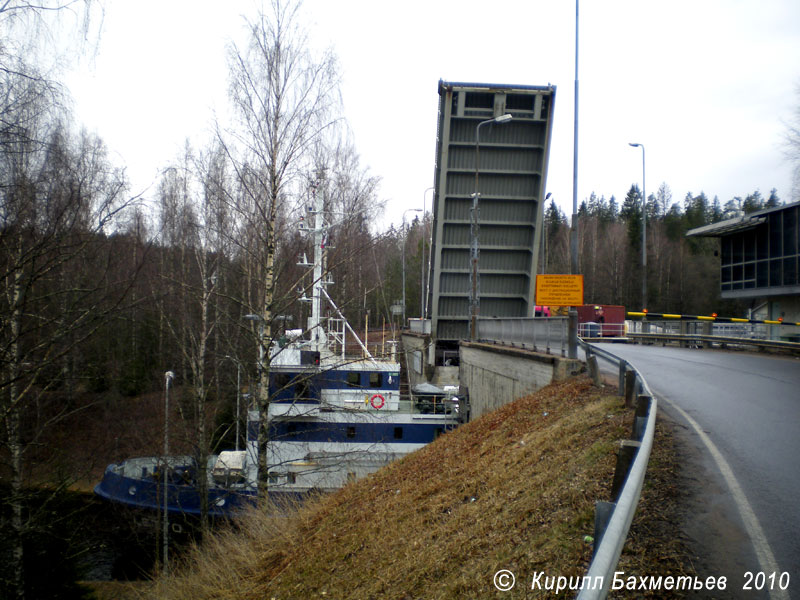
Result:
{"points": [[380, 401]]}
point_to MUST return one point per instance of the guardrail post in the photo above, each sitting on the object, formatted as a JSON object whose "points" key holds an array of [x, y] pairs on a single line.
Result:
{"points": [[640, 416], [625, 455], [602, 515], [684, 330], [630, 387], [614, 518]]}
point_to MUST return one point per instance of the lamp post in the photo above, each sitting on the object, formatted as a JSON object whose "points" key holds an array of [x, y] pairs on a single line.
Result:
{"points": [[644, 230], [573, 234], [423, 295], [544, 235], [474, 225], [168, 377], [404, 260]]}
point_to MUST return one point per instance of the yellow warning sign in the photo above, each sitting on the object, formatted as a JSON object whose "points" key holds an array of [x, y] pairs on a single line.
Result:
{"points": [[559, 290]]}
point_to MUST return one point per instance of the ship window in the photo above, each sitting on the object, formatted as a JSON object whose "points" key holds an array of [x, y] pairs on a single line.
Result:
{"points": [[272, 478], [398, 433], [375, 380], [354, 379], [301, 390], [351, 432], [291, 428], [291, 478], [281, 380]]}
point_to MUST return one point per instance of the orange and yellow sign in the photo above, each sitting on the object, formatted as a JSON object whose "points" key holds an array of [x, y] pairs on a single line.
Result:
{"points": [[559, 290]]}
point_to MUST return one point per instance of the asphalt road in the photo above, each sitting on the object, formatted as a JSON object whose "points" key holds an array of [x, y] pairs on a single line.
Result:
{"points": [[742, 410]]}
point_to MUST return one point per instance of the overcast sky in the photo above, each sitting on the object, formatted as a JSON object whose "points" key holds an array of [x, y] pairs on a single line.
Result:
{"points": [[706, 85]]}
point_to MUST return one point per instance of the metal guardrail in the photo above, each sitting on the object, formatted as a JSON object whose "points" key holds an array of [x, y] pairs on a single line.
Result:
{"points": [[613, 519], [531, 333], [770, 329], [700, 340], [714, 318]]}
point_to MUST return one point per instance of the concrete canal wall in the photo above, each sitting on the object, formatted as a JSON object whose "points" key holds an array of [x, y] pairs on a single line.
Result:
{"points": [[496, 375]]}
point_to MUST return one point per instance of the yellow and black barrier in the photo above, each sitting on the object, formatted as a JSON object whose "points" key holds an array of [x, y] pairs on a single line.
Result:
{"points": [[713, 317]]}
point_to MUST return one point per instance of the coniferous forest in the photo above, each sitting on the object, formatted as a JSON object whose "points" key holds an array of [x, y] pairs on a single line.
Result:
{"points": [[682, 273]]}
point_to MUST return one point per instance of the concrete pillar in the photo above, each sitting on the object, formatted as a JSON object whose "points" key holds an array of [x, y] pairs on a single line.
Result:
{"points": [[594, 370]]}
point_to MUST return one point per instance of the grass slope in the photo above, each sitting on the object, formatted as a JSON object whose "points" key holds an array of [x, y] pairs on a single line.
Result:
{"points": [[512, 490]]}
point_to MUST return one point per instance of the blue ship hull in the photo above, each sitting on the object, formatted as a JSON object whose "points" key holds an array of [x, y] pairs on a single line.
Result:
{"points": [[182, 498], [144, 492]]}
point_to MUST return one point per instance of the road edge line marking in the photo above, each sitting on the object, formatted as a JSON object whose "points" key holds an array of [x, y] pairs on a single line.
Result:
{"points": [[764, 555]]}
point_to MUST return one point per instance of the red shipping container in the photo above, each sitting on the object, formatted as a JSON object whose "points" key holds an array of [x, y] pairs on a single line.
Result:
{"points": [[609, 320]]}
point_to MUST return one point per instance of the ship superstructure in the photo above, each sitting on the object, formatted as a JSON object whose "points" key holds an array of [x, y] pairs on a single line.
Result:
{"points": [[333, 416]]}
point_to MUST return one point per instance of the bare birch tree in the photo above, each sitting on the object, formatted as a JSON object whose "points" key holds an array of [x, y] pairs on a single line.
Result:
{"points": [[284, 98], [195, 221], [58, 197], [792, 147]]}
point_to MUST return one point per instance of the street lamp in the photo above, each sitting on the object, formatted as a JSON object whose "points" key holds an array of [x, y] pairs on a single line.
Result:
{"points": [[644, 231], [573, 232], [474, 217], [168, 377], [544, 235], [423, 295], [404, 260]]}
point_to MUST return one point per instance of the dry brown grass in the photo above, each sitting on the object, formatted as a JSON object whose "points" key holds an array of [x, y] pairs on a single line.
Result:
{"points": [[513, 490]]}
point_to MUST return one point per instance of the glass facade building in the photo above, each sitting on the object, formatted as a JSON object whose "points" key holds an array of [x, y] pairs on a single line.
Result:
{"points": [[760, 261], [759, 252]]}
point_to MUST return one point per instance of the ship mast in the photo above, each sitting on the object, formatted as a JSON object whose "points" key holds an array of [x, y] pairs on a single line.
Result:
{"points": [[319, 232], [319, 339]]}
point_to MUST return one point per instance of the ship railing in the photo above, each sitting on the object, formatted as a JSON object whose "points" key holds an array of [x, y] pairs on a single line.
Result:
{"points": [[429, 408]]}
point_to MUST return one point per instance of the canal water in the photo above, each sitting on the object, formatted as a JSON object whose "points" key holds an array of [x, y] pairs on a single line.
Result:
{"points": [[78, 537]]}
